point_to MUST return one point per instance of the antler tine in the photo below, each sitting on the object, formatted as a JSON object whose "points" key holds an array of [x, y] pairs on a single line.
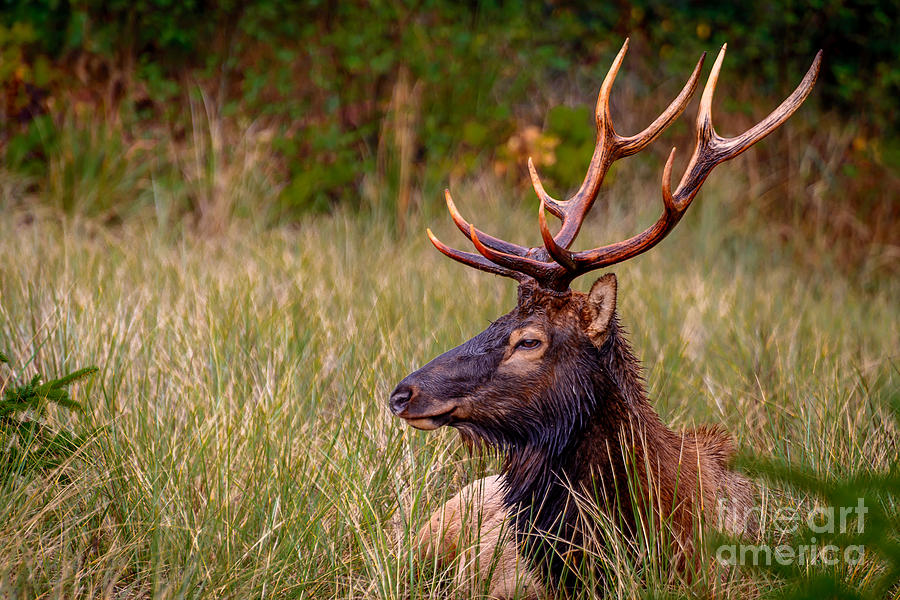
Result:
{"points": [[668, 200], [605, 153], [636, 143], [539, 270], [600, 161], [711, 150], [472, 260], [489, 240], [609, 148], [558, 253], [551, 204], [601, 110]]}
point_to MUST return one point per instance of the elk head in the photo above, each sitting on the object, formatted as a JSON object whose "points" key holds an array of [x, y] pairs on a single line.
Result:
{"points": [[500, 386], [534, 373]]}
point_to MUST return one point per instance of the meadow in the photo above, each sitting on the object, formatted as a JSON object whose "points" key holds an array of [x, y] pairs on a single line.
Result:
{"points": [[238, 439], [222, 207]]}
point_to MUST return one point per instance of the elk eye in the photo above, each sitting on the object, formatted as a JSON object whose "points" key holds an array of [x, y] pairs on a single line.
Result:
{"points": [[528, 344]]}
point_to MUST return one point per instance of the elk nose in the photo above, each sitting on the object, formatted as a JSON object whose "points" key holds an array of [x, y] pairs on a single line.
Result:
{"points": [[400, 398]]}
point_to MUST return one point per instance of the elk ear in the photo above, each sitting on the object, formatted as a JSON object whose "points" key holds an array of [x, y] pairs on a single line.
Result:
{"points": [[602, 306]]}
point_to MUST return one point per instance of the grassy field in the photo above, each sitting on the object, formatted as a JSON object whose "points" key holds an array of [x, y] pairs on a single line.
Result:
{"points": [[240, 443]]}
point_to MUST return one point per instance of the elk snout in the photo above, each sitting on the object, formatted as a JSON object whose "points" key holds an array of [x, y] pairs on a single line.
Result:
{"points": [[418, 407], [400, 397]]}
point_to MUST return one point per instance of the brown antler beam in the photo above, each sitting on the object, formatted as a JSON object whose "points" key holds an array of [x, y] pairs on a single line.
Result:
{"points": [[554, 266]]}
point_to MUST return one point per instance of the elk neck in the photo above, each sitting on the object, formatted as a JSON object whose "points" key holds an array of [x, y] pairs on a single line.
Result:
{"points": [[602, 400]]}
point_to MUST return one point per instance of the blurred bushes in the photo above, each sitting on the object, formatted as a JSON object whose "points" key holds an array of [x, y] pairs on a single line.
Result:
{"points": [[361, 102]]}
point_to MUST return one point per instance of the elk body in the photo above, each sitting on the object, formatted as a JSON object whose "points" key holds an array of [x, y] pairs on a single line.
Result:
{"points": [[555, 387]]}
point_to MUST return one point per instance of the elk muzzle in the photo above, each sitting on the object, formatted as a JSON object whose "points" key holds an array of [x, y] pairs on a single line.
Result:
{"points": [[409, 403], [442, 392]]}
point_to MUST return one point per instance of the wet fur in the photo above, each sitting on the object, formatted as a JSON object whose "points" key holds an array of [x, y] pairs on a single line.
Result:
{"points": [[581, 422]]}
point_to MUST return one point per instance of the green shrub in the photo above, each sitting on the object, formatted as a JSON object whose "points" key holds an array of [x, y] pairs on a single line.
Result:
{"points": [[27, 441], [327, 76]]}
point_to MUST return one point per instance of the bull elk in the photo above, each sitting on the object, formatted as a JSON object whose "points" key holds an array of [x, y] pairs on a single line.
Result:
{"points": [[554, 384]]}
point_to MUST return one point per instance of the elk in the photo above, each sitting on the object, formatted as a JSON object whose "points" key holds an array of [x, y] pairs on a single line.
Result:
{"points": [[555, 387]]}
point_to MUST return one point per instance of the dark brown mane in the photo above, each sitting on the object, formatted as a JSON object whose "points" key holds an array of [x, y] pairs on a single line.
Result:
{"points": [[606, 406]]}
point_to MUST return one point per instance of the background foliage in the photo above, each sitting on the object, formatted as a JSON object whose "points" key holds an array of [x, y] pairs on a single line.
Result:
{"points": [[379, 103]]}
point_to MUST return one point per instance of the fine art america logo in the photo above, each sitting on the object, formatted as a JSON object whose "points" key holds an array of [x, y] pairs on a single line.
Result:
{"points": [[824, 520]]}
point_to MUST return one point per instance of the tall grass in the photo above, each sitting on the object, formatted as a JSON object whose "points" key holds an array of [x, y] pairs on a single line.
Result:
{"points": [[242, 446]]}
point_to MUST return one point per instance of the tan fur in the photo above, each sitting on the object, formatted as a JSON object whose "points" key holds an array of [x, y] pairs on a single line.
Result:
{"points": [[736, 491], [520, 361], [473, 532], [602, 303]]}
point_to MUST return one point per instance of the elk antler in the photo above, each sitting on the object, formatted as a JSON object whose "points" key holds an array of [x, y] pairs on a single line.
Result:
{"points": [[554, 266]]}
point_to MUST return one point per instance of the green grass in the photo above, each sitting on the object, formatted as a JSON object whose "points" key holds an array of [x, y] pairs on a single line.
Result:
{"points": [[242, 446]]}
